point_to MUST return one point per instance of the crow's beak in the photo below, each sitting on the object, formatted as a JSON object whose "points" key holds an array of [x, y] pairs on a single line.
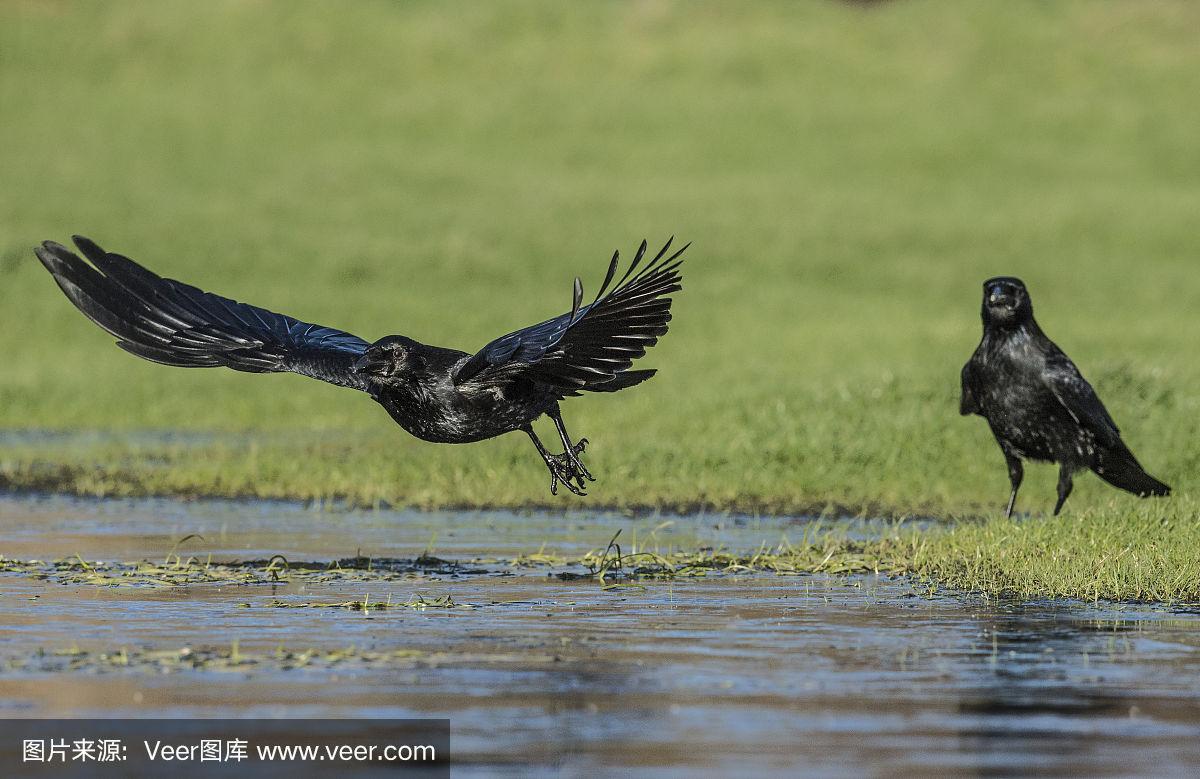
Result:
{"points": [[370, 362]]}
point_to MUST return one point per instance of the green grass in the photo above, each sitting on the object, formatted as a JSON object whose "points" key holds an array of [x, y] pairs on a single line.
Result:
{"points": [[444, 171], [1138, 556], [1146, 554]]}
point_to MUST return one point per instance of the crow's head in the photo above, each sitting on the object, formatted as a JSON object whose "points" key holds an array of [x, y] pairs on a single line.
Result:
{"points": [[1006, 302], [386, 357]]}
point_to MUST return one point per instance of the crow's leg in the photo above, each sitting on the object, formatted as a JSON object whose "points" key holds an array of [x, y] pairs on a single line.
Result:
{"points": [[1065, 485], [1016, 472], [559, 470], [571, 451]]}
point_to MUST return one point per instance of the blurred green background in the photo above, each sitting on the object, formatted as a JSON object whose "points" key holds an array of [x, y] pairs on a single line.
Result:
{"points": [[848, 173]]}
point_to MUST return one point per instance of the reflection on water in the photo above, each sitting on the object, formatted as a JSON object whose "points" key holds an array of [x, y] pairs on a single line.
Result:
{"points": [[718, 675]]}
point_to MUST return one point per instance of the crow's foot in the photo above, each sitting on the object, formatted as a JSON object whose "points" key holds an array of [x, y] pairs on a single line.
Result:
{"points": [[568, 469], [571, 459], [561, 471]]}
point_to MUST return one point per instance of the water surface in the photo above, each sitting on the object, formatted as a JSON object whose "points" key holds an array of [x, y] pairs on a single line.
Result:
{"points": [[543, 676]]}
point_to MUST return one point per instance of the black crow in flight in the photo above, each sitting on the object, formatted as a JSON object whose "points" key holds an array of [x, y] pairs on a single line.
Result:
{"points": [[1038, 405], [436, 394]]}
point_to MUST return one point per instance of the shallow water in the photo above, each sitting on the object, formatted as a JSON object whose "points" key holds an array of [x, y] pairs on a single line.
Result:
{"points": [[544, 676]]}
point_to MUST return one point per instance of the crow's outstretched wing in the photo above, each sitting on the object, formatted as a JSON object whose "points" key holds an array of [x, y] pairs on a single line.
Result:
{"points": [[591, 347], [1078, 398], [172, 323]]}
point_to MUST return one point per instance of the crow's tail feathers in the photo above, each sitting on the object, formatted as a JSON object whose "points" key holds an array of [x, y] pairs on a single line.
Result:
{"points": [[1117, 466], [621, 381]]}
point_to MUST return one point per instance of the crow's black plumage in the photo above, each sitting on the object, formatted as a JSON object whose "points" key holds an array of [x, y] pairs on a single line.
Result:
{"points": [[436, 394], [1038, 405]]}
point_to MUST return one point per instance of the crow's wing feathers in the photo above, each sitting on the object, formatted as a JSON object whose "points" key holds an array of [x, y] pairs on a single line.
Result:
{"points": [[169, 322], [968, 404], [589, 346], [1079, 399]]}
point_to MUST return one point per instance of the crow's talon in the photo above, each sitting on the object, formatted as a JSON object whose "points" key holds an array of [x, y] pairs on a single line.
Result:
{"points": [[565, 467], [563, 470], [576, 450], [570, 460], [570, 469]]}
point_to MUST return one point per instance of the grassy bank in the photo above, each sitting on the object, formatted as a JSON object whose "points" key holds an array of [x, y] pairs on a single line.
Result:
{"points": [[1141, 557], [847, 182]]}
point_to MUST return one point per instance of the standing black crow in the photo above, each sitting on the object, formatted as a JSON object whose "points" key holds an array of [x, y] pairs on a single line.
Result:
{"points": [[436, 394], [1038, 405]]}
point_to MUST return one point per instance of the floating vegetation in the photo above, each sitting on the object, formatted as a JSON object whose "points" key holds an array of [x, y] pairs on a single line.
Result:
{"points": [[830, 554], [415, 603], [1142, 557], [178, 571], [820, 550], [235, 659]]}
